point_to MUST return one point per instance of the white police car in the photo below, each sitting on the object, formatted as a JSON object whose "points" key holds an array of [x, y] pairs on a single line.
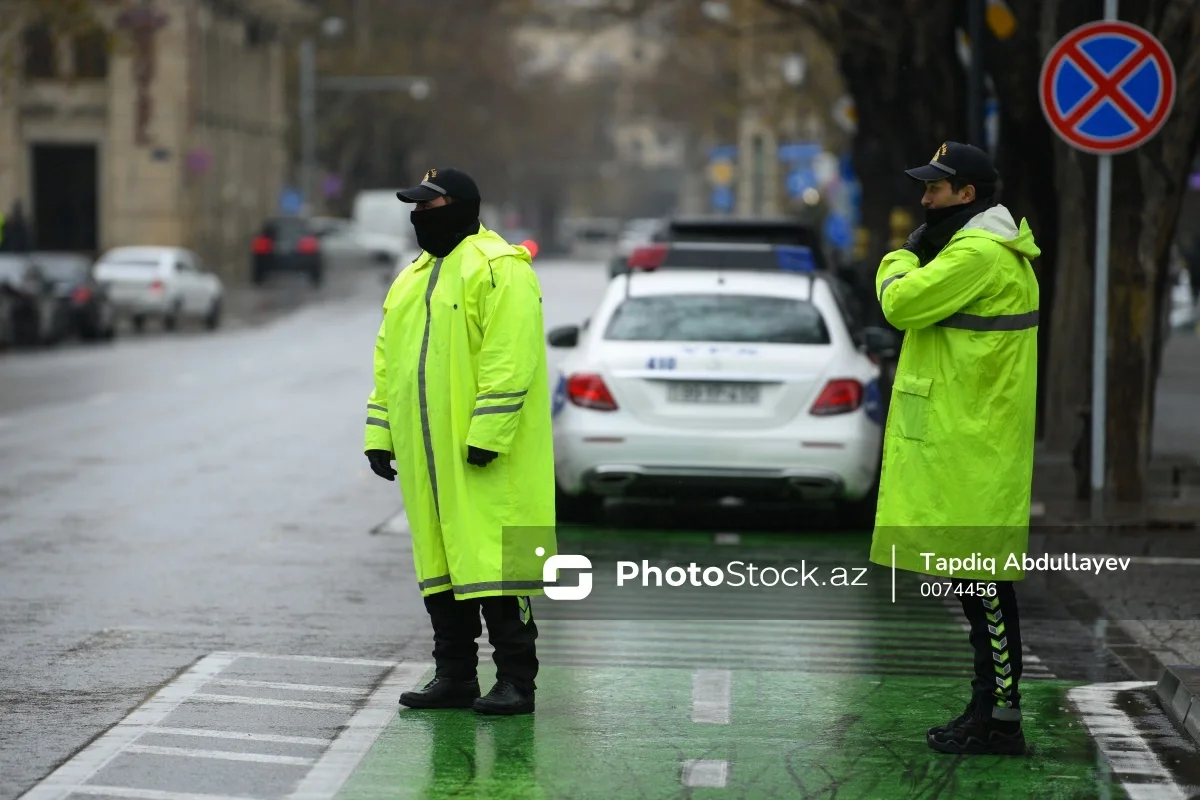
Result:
{"points": [[715, 371]]}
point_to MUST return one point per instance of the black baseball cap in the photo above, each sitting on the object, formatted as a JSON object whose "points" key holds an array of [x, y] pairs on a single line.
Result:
{"points": [[957, 160], [441, 183]]}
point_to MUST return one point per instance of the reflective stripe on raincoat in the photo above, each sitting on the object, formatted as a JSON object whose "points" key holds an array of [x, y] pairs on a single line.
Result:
{"points": [[460, 360], [958, 448]]}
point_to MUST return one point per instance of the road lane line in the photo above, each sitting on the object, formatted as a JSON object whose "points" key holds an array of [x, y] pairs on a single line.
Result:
{"points": [[711, 696], [238, 699], [149, 794], [339, 762], [289, 687], [205, 733], [727, 538], [1123, 746], [222, 755], [705, 773], [83, 766], [350, 662]]}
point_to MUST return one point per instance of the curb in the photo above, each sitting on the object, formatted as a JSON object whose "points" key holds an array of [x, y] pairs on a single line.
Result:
{"points": [[1179, 691]]}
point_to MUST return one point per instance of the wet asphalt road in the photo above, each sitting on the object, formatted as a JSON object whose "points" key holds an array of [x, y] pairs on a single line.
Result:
{"points": [[172, 496]]}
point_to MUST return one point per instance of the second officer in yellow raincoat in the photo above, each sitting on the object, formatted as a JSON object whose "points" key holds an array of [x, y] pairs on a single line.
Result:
{"points": [[462, 404]]}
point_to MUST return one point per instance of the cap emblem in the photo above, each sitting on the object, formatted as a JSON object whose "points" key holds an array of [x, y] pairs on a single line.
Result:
{"points": [[433, 174], [940, 153]]}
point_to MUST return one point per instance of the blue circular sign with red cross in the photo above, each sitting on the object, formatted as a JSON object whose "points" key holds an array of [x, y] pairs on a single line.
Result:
{"points": [[1107, 87]]}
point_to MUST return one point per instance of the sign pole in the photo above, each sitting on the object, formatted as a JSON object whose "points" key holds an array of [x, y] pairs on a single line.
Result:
{"points": [[1100, 319]]}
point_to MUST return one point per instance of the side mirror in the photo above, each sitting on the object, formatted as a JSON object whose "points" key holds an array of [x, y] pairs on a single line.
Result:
{"points": [[566, 336], [881, 343]]}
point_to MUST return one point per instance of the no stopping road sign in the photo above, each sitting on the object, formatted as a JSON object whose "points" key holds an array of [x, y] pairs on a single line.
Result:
{"points": [[1107, 87]]}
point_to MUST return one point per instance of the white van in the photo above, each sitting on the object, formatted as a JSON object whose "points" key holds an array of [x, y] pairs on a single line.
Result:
{"points": [[381, 224]]}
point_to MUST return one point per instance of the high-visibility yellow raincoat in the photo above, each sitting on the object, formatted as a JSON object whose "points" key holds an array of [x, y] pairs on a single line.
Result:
{"points": [[958, 448], [460, 360]]}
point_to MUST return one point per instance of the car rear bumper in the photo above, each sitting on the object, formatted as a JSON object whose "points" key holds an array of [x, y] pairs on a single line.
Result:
{"points": [[291, 262], [773, 466]]}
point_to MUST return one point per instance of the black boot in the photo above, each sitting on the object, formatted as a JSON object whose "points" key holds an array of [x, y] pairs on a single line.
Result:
{"points": [[979, 732], [505, 699], [443, 693], [954, 723]]}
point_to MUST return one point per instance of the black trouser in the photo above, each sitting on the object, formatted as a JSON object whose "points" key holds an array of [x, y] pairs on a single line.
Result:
{"points": [[996, 638], [511, 630]]}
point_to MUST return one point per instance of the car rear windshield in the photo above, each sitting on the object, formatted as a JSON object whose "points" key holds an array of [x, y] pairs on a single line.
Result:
{"points": [[717, 318], [130, 261], [64, 268], [287, 231]]}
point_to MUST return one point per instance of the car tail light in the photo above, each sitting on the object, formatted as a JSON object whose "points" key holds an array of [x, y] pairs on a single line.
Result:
{"points": [[81, 295], [588, 391], [308, 245], [156, 286], [647, 258], [262, 245], [838, 397]]}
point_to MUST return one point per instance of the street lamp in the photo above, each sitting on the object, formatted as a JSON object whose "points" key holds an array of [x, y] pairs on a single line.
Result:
{"points": [[331, 28]]}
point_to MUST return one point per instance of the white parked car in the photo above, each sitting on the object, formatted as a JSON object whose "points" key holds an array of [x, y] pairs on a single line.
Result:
{"points": [[170, 284], [1183, 303], [748, 380]]}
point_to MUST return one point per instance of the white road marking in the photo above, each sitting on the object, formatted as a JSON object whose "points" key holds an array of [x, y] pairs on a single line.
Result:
{"points": [[342, 758], [352, 662], [79, 770], [1123, 746], [204, 733], [223, 755], [396, 525], [727, 538], [705, 773], [148, 794], [238, 699], [290, 687], [711, 696]]}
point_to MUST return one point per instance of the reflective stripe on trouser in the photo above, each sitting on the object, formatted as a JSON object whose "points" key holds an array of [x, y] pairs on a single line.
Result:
{"points": [[996, 638], [511, 631]]}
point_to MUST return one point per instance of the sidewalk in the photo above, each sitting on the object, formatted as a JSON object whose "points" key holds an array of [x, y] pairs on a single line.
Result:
{"points": [[1173, 496]]}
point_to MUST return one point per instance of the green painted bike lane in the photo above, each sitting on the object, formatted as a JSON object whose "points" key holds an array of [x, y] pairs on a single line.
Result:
{"points": [[612, 733], [834, 707]]}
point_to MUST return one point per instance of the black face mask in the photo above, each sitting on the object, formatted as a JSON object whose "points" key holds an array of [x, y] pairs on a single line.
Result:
{"points": [[440, 230], [943, 223]]}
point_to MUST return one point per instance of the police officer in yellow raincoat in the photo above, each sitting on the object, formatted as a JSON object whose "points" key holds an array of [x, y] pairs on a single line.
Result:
{"points": [[958, 450], [462, 404]]}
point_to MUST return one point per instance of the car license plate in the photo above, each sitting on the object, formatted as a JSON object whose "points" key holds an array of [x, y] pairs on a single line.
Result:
{"points": [[715, 393]]}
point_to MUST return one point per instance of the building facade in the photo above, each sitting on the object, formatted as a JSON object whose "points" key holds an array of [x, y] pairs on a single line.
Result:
{"points": [[165, 124]]}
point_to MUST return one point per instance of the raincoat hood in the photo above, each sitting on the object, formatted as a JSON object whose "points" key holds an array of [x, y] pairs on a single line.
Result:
{"points": [[998, 225]]}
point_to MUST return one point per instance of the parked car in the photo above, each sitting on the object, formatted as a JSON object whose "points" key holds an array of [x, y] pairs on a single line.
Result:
{"points": [[1183, 312], [288, 244], [167, 283], [34, 314], [344, 243], [89, 310]]}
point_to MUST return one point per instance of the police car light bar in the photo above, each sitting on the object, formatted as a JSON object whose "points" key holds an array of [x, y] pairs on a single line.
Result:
{"points": [[795, 258], [648, 257]]}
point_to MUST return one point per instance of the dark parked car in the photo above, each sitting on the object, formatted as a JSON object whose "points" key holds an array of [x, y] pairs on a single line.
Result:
{"points": [[288, 244], [89, 309], [35, 316]]}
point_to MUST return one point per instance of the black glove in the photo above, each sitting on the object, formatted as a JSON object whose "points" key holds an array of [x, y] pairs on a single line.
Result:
{"points": [[381, 464], [915, 244], [478, 457]]}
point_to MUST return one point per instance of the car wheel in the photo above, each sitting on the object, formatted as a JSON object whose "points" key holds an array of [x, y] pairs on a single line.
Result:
{"points": [[584, 508], [859, 515], [171, 321], [25, 327], [213, 319], [315, 277]]}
